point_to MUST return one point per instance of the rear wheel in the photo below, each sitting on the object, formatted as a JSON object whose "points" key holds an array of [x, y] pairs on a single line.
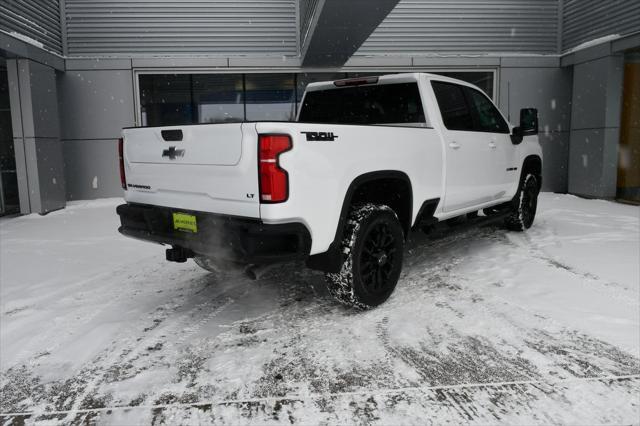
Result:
{"points": [[372, 245], [525, 204]]}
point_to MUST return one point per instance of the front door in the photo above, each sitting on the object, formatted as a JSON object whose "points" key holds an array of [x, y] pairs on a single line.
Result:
{"points": [[469, 174], [493, 131]]}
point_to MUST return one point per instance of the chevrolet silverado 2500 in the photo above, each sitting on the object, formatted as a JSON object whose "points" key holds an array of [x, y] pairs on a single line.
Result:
{"points": [[368, 160]]}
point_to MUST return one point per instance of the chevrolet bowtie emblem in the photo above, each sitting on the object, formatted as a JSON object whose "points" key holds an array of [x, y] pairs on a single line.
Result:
{"points": [[173, 153]]}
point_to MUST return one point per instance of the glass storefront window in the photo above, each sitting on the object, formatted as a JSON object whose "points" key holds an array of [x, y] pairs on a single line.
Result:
{"points": [[218, 98], [165, 99], [174, 99], [270, 97]]}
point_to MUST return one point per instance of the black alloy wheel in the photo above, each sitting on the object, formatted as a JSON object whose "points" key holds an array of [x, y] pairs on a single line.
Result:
{"points": [[529, 203], [377, 258], [372, 244], [524, 204]]}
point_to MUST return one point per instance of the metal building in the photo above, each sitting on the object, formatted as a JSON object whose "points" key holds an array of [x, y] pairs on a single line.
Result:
{"points": [[74, 72]]}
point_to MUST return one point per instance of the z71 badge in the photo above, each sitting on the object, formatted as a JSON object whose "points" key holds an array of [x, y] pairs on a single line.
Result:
{"points": [[320, 136]]}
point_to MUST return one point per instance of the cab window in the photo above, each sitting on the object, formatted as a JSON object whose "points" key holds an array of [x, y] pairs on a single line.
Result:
{"points": [[486, 116], [453, 105]]}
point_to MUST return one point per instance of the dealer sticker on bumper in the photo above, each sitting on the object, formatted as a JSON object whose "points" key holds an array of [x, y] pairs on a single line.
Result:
{"points": [[185, 222]]}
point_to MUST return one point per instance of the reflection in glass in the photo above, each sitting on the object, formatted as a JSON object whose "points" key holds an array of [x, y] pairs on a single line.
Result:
{"points": [[482, 79], [270, 97], [218, 98], [165, 99]]}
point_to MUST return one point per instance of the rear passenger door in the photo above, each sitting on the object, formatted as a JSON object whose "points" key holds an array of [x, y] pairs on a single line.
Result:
{"points": [[493, 131], [469, 175]]}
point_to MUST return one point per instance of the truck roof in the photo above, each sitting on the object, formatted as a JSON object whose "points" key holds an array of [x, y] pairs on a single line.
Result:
{"points": [[382, 79]]}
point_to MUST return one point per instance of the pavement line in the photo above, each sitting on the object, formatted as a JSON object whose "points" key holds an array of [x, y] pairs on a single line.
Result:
{"points": [[324, 395]]}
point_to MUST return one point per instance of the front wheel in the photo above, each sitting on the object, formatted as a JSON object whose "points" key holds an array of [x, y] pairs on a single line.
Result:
{"points": [[525, 204], [372, 245]]}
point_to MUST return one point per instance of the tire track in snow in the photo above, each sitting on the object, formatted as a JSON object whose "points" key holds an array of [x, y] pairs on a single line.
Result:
{"points": [[471, 401]]}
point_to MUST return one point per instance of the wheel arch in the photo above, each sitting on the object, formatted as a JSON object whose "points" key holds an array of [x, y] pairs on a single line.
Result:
{"points": [[369, 187]]}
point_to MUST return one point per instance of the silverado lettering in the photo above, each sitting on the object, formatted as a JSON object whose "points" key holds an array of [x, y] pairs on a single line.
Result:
{"points": [[320, 136]]}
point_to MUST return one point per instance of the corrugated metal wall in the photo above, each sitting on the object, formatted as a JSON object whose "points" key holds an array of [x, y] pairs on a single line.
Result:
{"points": [[171, 27], [307, 9], [36, 19], [466, 26], [585, 20]]}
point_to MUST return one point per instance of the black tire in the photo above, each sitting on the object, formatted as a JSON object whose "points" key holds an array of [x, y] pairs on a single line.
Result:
{"points": [[372, 246], [525, 204]]}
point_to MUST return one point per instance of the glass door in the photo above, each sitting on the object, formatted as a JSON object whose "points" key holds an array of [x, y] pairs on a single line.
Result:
{"points": [[9, 202], [629, 149]]}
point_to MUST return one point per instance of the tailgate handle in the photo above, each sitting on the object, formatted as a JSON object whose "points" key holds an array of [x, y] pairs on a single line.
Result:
{"points": [[172, 135]]}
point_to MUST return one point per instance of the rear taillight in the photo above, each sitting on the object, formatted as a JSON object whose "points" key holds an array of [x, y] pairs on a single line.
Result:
{"points": [[274, 180], [123, 179]]}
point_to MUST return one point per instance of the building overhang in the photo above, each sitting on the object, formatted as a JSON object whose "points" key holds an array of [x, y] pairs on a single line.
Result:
{"points": [[336, 29], [11, 47]]}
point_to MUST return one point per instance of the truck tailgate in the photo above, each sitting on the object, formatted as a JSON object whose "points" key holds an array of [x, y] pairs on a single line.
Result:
{"points": [[207, 167]]}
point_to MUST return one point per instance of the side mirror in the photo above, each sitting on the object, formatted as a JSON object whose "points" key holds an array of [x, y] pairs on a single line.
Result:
{"points": [[528, 125], [529, 121]]}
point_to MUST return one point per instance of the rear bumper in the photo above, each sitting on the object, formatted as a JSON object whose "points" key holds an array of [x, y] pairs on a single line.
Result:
{"points": [[222, 237]]}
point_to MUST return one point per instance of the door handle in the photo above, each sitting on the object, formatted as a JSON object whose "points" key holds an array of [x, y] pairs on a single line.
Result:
{"points": [[492, 145], [454, 145]]}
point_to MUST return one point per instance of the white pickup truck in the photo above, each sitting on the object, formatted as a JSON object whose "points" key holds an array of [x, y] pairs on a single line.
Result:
{"points": [[367, 160]]}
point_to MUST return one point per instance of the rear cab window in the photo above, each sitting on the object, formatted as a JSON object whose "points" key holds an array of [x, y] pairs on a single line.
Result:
{"points": [[390, 104]]}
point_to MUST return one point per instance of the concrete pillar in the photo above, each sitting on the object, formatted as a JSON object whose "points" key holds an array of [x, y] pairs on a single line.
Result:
{"points": [[595, 126], [36, 136]]}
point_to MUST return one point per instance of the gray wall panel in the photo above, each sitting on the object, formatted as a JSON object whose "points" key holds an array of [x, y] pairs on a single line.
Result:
{"points": [[169, 27], [595, 127], [36, 19], [91, 169], [95, 104], [47, 165], [593, 162], [555, 164], [34, 111], [469, 26], [549, 90], [585, 20], [592, 84], [94, 107]]}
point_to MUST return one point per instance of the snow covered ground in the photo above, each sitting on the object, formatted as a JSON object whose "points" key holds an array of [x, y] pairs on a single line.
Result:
{"points": [[485, 326]]}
